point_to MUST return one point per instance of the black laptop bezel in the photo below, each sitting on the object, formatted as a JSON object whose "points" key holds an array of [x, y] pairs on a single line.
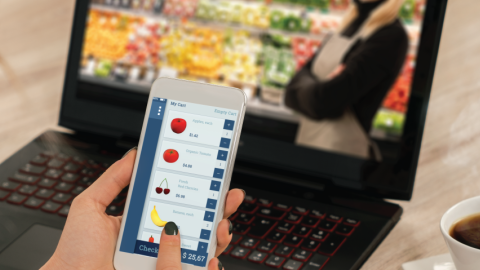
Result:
{"points": [[355, 175]]}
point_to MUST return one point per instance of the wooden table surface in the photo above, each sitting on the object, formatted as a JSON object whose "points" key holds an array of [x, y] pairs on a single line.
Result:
{"points": [[34, 40]]}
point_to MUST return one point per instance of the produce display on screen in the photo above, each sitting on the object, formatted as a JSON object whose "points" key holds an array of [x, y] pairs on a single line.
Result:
{"points": [[256, 46]]}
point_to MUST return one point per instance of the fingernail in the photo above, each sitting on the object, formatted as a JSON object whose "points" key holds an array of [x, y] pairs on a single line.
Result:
{"points": [[230, 227], [220, 265], [134, 148], [171, 228], [244, 193]]}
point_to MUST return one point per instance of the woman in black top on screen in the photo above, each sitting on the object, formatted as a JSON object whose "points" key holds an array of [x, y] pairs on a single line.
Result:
{"points": [[371, 48]]}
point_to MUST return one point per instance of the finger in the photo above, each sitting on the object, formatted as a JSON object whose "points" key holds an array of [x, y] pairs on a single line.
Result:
{"points": [[215, 264], [169, 250], [234, 199], [111, 183], [224, 236]]}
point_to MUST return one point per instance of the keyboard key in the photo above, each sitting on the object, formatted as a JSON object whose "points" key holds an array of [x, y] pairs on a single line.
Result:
{"points": [[300, 211], [113, 210], [271, 213], [34, 203], [302, 231], [318, 261], [292, 265], [327, 225], [275, 261], [276, 237], [264, 202], [351, 222], [53, 174], [27, 190], [310, 245], [293, 241], [240, 252], [25, 179], [292, 218], [301, 255], [90, 172], [16, 198], [45, 194], [4, 194], [63, 157], [282, 207], [344, 229], [249, 199], [244, 218], [284, 251], [93, 163], [106, 165], [240, 228], [47, 183], [227, 250], [119, 200], [48, 153], [310, 222], [79, 160], [285, 227], [72, 167], [235, 239], [86, 181], [317, 214], [55, 163], [261, 227], [249, 242], [257, 257], [51, 207], [10, 186], [61, 198], [319, 235], [33, 169], [266, 246], [64, 211], [248, 208], [334, 218], [39, 160], [64, 187], [70, 178], [331, 245]]}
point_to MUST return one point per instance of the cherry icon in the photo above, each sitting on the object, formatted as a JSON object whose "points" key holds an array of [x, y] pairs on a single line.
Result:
{"points": [[159, 189]]}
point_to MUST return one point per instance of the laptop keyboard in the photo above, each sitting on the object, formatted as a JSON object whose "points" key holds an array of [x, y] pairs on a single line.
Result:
{"points": [[279, 235], [264, 232], [50, 182]]}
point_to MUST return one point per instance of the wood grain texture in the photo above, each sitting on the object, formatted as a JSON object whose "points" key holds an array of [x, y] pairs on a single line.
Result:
{"points": [[34, 40]]}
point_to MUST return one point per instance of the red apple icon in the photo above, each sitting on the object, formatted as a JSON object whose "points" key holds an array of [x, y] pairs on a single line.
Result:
{"points": [[170, 155], [178, 125]]}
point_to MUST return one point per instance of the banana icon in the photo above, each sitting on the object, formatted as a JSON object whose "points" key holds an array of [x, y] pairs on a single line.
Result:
{"points": [[156, 219]]}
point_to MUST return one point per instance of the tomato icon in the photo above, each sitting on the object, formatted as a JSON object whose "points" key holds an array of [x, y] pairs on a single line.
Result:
{"points": [[170, 155], [178, 125]]}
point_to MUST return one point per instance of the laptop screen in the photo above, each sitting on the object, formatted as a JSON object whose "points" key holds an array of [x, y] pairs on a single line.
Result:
{"points": [[332, 84]]}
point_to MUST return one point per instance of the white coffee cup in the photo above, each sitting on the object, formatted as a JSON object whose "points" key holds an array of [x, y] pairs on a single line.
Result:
{"points": [[464, 257]]}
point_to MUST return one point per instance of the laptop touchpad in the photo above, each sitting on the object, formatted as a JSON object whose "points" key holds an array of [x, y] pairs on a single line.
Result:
{"points": [[32, 249]]}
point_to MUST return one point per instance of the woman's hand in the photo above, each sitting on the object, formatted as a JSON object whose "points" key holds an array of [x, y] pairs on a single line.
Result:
{"points": [[90, 235], [337, 71]]}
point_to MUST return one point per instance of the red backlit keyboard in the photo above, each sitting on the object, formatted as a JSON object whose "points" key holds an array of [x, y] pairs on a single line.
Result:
{"points": [[50, 181], [279, 235]]}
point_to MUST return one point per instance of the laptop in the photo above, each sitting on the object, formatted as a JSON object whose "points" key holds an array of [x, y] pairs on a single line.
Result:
{"points": [[307, 206]]}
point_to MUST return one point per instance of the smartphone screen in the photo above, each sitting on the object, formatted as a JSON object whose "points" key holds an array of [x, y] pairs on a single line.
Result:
{"points": [[179, 178]]}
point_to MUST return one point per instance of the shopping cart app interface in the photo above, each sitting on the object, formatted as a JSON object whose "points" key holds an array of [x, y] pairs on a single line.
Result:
{"points": [[179, 178]]}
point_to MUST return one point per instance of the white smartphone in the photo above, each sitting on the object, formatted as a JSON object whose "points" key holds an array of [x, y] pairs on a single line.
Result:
{"points": [[182, 172]]}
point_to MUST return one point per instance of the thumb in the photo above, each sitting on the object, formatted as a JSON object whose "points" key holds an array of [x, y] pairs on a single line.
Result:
{"points": [[169, 254]]}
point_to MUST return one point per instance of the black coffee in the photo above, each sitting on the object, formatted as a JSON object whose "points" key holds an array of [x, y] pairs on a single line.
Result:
{"points": [[467, 231]]}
